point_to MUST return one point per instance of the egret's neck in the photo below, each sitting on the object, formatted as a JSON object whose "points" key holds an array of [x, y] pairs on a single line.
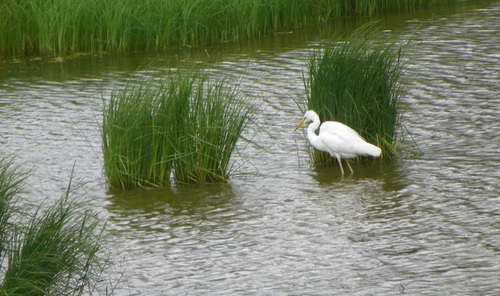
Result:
{"points": [[311, 132]]}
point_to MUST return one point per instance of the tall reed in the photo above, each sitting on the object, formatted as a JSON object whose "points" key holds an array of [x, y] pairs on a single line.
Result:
{"points": [[136, 131], [64, 27], [185, 127], [55, 254], [207, 132], [357, 81], [10, 186]]}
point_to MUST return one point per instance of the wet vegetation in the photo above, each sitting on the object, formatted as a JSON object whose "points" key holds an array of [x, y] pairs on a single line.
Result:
{"points": [[55, 253], [183, 127], [66, 27], [357, 81]]}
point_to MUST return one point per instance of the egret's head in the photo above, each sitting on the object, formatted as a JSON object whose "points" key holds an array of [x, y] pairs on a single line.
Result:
{"points": [[308, 117]]}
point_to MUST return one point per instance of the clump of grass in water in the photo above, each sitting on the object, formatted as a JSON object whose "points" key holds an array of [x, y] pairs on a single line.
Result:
{"points": [[10, 186], [135, 126], [55, 254], [358, 82], [207, 132], [186, 127]]}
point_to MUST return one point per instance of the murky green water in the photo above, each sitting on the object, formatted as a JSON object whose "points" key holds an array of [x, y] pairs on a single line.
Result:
{"points": [[426, 226]]}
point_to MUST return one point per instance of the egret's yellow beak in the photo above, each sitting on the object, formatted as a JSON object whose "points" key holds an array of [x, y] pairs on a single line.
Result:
{"points": [[300, 124]]}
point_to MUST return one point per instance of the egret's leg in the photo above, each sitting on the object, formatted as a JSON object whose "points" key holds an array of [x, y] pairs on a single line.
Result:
{"points": [[337, 156], [352, 171]]}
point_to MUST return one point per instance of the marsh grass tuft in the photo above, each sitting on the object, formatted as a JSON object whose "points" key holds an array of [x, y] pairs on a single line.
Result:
{"points": [[358, 82], [185, 127], [56, 253], [208, 133], [11, 179], [134, 136]]}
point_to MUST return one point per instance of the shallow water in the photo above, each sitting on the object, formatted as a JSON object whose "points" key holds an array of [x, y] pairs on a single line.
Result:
{"points": [[424, 226]]}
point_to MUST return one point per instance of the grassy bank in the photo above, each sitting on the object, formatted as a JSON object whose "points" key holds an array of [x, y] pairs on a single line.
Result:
{"points": [[64, 27], [183, 127], [53, 252], [358, 82]]}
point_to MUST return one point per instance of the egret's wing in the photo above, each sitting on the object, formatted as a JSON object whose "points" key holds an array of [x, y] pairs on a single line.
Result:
{"points": [[340, 138], [339, 129]]}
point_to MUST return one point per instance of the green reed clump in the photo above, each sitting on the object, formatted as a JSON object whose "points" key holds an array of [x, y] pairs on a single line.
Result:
{"points": [[134, 130], [207, 131], [185, 127], [358, 82], [10, 186], [55, 254], [64, 27]]}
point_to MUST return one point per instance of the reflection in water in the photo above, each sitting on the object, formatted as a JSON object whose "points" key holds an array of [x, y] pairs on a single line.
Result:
{"points": [[384, 171], [170, 207], [372, 193], [281, 226]]}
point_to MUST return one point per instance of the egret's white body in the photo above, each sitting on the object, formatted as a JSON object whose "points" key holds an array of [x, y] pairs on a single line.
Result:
{"points": [[337, 139]]}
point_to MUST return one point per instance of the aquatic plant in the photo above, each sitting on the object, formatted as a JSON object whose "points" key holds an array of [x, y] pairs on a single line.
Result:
{"points": [[134, 139], [10, 186], [207, 132], [55, 254], [185, 126], [357, 81], [65, 27]]}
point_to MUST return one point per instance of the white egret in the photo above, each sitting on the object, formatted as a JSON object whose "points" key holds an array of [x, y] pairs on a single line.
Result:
{"points": [[337, 139]]}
